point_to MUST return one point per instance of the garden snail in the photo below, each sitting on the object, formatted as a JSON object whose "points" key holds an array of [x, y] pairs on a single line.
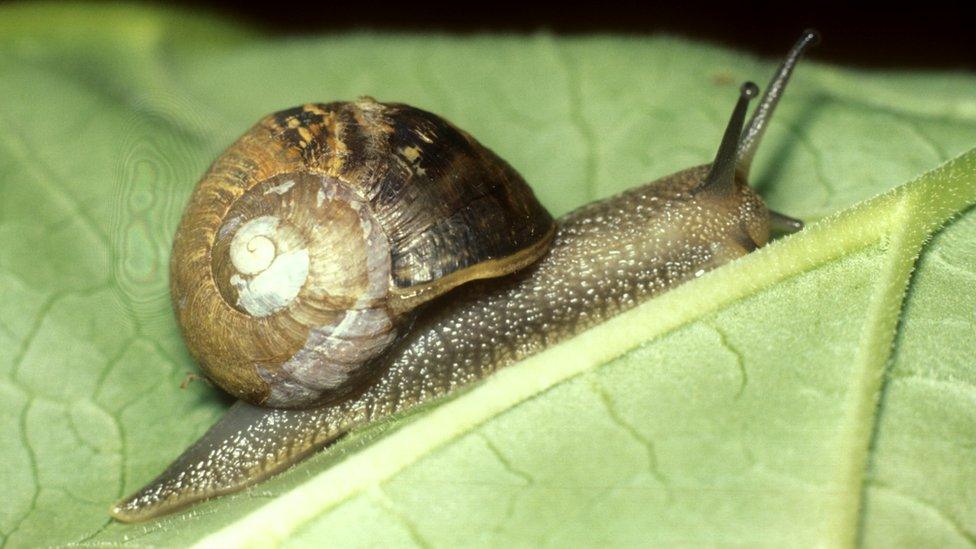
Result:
{"points": [[243, 249]]}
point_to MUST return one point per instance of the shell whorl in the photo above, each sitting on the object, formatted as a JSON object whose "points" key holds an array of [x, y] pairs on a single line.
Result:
{"points": [[300, 234], [312, 237]]}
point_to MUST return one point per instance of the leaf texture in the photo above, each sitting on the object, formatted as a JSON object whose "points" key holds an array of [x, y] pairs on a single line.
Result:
{"points": [[817, 392]]}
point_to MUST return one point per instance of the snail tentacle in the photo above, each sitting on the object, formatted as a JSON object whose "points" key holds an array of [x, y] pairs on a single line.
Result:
{"points": [[605, 258], [498, 280], [754, 131]]}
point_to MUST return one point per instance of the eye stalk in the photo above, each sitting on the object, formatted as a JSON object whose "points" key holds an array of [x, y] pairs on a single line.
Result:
{"points": [[721, 176], [671, 233], [760, 118], [738, 148]]}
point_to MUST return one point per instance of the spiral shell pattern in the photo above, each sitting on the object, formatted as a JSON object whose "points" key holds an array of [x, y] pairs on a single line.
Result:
{"points": [[308, 243]]}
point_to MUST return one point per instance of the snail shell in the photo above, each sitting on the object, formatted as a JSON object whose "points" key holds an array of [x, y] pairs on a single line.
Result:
{"points": [[606, 257], [308, 243]]}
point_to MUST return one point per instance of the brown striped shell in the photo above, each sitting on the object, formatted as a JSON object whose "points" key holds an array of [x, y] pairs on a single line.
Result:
{"points": [[305, 247]]}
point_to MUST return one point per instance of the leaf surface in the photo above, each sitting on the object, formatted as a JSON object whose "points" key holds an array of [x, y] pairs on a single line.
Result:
{"points": [[819, 391]]}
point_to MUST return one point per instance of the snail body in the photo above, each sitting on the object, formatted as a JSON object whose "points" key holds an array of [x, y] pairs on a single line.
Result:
{"points": [[604, 258]]}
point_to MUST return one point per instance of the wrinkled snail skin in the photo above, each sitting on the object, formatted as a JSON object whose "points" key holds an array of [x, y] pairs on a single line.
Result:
{"points": [[605, 257]]}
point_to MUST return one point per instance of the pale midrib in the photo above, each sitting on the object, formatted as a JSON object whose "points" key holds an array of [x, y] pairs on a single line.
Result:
{"points": [[835, 237], [873, 353]]}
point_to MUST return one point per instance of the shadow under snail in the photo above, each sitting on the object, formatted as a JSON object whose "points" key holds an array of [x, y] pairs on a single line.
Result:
{"points": [[344, 262]]}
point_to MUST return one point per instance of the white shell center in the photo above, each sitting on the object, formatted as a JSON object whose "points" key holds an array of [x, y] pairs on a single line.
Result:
{"points": [[273, 275], [252, 250]]}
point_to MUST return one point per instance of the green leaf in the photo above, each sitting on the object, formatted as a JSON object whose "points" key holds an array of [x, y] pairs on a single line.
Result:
{"points": [[819, 391]]}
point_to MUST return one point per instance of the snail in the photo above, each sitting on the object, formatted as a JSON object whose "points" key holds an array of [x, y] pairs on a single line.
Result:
{"points": [[344, 262]]}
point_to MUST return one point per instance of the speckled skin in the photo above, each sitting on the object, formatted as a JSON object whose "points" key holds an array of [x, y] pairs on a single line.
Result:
{"points": [[606, 257]]}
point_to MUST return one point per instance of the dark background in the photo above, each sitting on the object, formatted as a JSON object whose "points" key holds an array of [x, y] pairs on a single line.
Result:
{"points": [[926, 34]]}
